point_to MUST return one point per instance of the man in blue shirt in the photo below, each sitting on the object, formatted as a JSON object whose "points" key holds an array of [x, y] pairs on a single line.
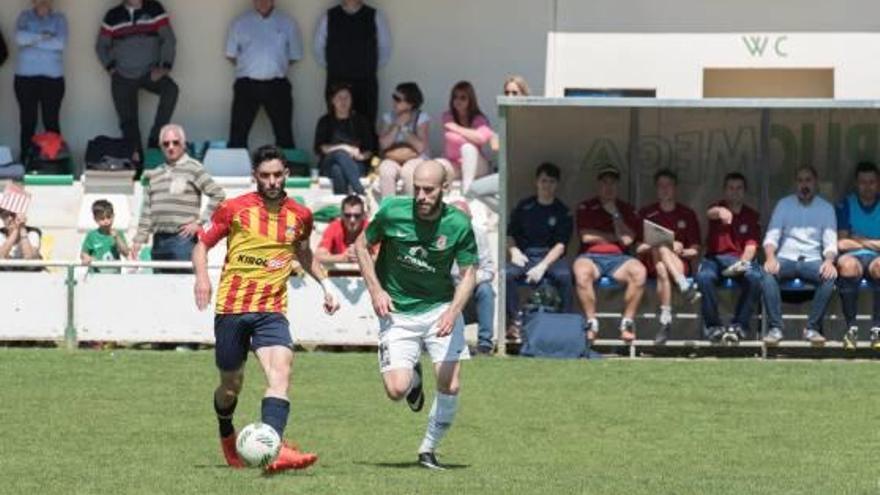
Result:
{"points": [[858, 232], [801, 242], [262, 43], [538, 231]]}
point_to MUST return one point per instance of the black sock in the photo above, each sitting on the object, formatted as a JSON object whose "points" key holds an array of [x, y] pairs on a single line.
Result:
{"points": [[274, 413], [849, 299], [224, 418]]}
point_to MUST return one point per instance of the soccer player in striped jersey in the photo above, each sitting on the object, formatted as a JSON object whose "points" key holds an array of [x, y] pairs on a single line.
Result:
{"points": [[413, 294], [266, 231]]}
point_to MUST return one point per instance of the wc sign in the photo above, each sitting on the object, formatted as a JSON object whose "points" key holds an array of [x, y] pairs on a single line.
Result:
{"points": [[766, 46]]}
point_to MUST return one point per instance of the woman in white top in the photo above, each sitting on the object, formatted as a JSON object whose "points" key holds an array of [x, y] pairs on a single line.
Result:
{"points": [[403, 139]]}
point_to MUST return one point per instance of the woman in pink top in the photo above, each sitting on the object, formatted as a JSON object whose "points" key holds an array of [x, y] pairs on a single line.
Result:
{"points": [[466, 131]]}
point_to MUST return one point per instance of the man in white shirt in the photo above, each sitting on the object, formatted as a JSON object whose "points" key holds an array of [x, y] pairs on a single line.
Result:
{"points": [[801, 242], [483, 301], [262, 43]]}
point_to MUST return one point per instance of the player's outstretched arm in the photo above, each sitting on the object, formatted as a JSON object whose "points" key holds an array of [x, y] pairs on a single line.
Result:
{"points": [[381, 300], [312, 266], [463, 292], [202, 289]]}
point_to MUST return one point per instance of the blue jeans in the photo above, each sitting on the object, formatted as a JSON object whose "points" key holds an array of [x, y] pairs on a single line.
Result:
{"points": [[172, 247], [558, 274], [484, 304], [343, 171], [707, 277], [807, 271]]}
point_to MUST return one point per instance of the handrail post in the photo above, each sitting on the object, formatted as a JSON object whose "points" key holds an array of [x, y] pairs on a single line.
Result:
{"points": [[70, 330]]}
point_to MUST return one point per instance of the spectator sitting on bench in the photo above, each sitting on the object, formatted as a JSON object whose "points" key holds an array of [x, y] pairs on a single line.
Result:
{"points": [[466, 131], [801, 242], [483, 301], [337, 243], [344, 142], [670, 263], [731, 250], [103, 243], [607, 228], [18, 241], [537, 234], [858, 232], [404, 140]]}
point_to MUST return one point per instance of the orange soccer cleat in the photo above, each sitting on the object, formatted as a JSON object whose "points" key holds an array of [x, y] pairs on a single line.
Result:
{"points": [[229, 452], [291, 458]]}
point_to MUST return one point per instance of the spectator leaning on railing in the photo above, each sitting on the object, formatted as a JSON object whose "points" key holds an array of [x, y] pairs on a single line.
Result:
{"points": [[18, 241], [172, 200], [103, 243], [801, 242]]}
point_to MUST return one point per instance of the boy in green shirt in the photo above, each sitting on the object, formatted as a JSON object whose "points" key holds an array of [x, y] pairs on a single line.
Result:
{"points": [[103, 243], [413, 294]]}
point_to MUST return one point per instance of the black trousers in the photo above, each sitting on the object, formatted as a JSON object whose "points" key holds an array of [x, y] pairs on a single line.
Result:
{"points": [[37, 95], [364, 92], [125, 99], [248, 95]]}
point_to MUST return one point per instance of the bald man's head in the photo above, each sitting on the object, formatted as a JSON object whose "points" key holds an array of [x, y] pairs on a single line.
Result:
{"points": [[428, 181]]}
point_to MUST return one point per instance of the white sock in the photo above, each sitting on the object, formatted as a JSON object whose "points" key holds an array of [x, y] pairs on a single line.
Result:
{"points": [[665, 315], [594, 325], [439, 421], [682, 282]]}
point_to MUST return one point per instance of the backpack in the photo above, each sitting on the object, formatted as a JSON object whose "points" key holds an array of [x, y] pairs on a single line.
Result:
{"points": [[553, 335], [49, 154], [105, 153]]}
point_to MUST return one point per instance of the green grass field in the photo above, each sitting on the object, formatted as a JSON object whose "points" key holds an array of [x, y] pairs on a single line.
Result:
{"points": [[142, 422]]}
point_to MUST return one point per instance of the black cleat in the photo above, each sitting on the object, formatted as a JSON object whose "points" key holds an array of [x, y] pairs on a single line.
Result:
{"points": [[415, 399], [429, 461]]}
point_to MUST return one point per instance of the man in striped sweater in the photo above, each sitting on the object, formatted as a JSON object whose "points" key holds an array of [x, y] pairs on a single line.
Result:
{"points": [[172, 201]]}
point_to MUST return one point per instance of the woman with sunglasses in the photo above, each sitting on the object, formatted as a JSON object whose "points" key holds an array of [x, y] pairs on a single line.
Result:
{"points": [[403, 139], [344, 142], [466, 132]]}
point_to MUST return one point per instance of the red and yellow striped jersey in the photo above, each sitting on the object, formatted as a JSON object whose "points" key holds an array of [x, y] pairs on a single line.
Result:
{"points": [[260, 252]]}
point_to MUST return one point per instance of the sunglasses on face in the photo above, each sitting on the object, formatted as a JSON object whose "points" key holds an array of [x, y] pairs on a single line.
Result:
{"points": [[168, 144], [353, 216]]}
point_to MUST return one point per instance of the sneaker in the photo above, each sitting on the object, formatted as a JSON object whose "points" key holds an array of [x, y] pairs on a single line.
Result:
{"points": [[415, 399], [429, 460], [291, 458], [814, 337], [738, 330], [774, 335], [851, 338], [627, 331], [692, 294], [513, 332], [714, 334], [662, 334], [735, 269], [227, 444], [875, 338], [485, 351], [591, 330], [730, 337]]}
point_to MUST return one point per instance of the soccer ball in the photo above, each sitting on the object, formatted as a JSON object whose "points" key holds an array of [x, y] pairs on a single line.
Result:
{"points": [[258, 444]]}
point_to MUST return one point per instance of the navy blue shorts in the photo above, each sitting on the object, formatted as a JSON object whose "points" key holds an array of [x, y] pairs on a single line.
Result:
{"points": [[236, 334], [607, 263], [865, 258]]}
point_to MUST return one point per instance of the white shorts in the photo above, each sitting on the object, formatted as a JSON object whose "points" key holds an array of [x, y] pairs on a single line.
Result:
{"points": [[401, 337]]}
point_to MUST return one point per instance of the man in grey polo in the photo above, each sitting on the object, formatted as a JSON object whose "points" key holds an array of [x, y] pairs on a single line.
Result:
{"points": [[173, 200], [801, 242], [262, 43], [136, 46]]}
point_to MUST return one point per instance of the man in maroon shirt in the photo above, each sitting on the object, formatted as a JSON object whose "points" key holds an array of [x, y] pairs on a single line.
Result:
{"points": [[607, 227], [671, 263], [731, 247]]}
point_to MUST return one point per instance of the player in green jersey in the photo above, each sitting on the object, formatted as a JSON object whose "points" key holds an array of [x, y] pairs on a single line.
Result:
{"points": [[415, 298]]}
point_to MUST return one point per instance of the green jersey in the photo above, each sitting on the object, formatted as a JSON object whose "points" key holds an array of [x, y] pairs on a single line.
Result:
{"points": [[102, 247], [416, 256]]}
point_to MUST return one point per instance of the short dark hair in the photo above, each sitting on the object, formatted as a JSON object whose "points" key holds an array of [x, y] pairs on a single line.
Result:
{"points": [[548, 169], [267, 153], [809, 168], [411, 93], [736, 176], [332, 90], [102, 208], [352, 200], [666, 172], [867, 168]]}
